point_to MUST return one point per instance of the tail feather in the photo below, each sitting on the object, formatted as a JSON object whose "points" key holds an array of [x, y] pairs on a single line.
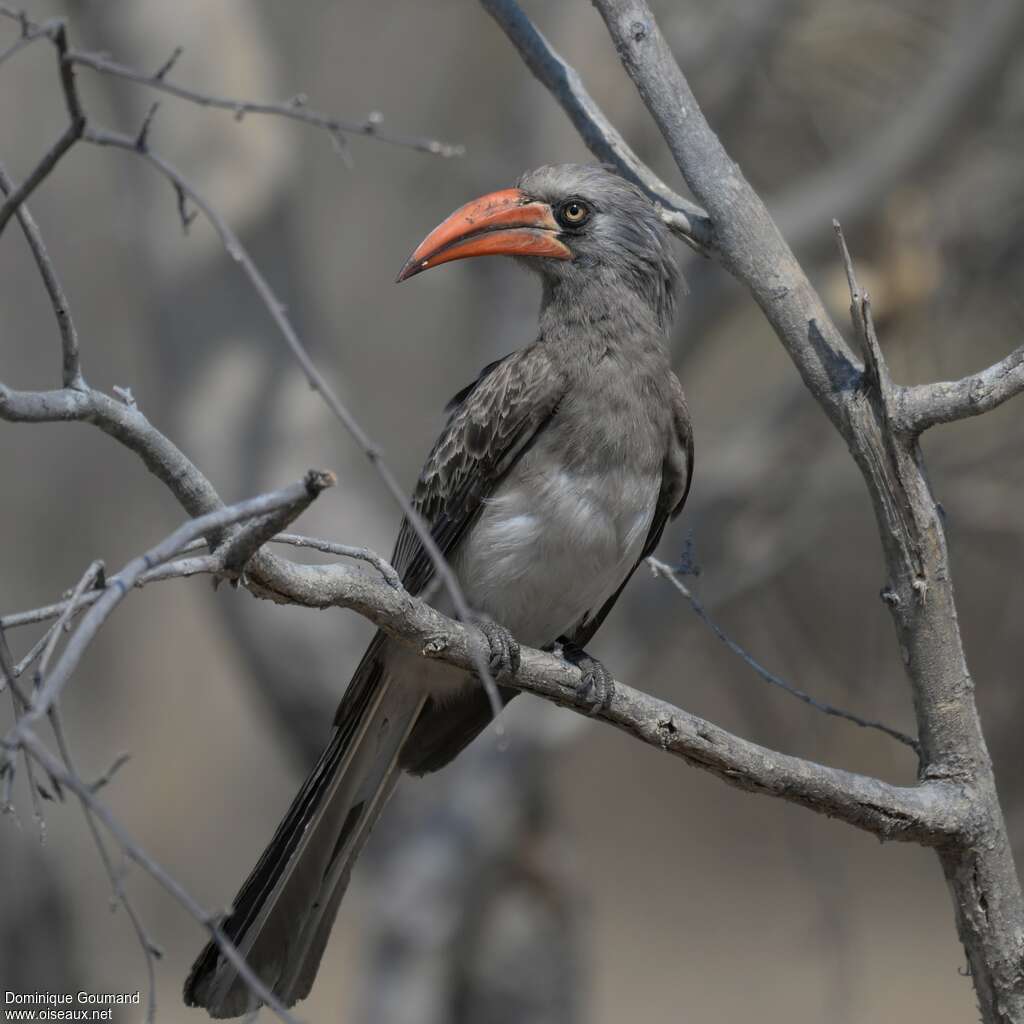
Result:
{"points": [[283, 913]]}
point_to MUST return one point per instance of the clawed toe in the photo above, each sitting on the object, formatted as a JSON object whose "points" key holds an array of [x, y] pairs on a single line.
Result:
{"points": [[597, 685], [504, 649]]}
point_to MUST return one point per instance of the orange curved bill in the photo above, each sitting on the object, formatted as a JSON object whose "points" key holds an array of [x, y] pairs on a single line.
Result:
{"points": [[505, 223]]}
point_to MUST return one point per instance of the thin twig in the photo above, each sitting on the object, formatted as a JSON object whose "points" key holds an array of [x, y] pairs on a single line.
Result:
{"points": [[151, 952], [665, 570], [31, 744], [295, 111], [385, 568], [181, 568], [298, 497], [57, 33], [91, 576], [177, 569], [29, 32], [72, 369], [9, 763]]}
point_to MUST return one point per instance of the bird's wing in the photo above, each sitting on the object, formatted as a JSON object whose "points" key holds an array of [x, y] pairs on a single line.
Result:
{"points": [[676, 475], [490, 424]]}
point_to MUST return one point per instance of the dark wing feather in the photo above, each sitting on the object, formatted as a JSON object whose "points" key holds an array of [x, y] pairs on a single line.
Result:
{"points": [[491, 424], [676, 475]]}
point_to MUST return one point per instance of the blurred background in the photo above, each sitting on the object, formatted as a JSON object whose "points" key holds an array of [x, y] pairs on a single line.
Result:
{"points": [[575, 876]]}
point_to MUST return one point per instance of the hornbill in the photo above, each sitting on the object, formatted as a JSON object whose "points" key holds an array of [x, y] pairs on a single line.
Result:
{"points": [[553, 478]]}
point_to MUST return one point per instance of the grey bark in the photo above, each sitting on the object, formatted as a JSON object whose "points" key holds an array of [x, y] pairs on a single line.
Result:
{"points": [[860, 401]]}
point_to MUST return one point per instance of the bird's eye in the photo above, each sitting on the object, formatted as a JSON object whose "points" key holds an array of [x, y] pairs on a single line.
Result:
{"points": [[574, 213]]}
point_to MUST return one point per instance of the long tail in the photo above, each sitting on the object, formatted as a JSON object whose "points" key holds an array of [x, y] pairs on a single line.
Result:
{"points": [[283, 913]]}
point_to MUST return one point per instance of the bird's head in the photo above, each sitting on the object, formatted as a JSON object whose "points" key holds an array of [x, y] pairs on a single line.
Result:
{"points": [[582, 228]]}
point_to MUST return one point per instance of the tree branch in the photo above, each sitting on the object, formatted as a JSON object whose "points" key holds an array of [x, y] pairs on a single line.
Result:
{"points": [[978, 864], [561, 79], [72, 370], [185, 190], [659, 568], [747, 242], [931, 813], [316, 380], [295, 109], [57, 34], [295, 499], [925, 405], [31, 744]]}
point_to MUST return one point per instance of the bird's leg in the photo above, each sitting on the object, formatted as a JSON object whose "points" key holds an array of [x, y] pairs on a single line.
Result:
{"points": [[503, 646], [597, 685]]}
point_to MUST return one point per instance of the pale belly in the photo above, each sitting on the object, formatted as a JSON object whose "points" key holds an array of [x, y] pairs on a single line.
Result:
{"points": [[550, 547]]}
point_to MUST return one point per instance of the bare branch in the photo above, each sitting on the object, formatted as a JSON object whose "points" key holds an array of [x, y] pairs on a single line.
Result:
{"points": [[184, 190], [32, 745], [296, 497], [90, 578], [182, 568], [915, 409], [142, 139], [930, 813], [665, 570], [165, 69], [8, 765], [150, 950], [978, 863], [344, 551], [926, 405], [29, 32], [602, 138], [316, 381], [292, 110], [56, 32], [747, 242], [72, 370], [876, 370]]}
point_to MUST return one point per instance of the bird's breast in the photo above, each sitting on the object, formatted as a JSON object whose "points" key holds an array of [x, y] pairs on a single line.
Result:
{"points": [[556, 539]]}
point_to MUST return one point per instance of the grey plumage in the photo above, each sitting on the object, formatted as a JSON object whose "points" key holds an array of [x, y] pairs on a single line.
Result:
{"points": [[553, 478]]}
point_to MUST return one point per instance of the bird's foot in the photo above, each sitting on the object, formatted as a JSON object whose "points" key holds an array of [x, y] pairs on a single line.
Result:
{"points": [[597, 685], [504, 650]]}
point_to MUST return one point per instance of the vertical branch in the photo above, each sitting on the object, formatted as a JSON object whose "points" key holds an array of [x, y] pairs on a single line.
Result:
{"points": [[978, 865]]}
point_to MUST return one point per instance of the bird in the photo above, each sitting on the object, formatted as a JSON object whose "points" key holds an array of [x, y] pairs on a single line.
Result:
{"points": [[554, 477]]}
